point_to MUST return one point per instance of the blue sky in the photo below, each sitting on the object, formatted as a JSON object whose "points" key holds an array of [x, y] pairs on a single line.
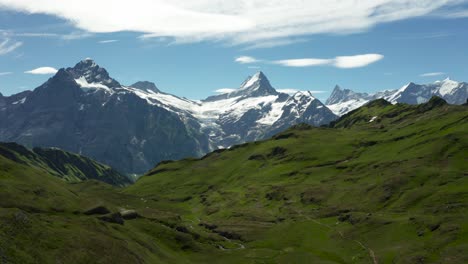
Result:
{"points": [[193, 57]]}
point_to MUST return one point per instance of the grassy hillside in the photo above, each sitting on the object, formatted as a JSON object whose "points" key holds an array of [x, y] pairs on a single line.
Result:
{"points": [[394, 190], [44, 219], [391, 190], [68, 166]]}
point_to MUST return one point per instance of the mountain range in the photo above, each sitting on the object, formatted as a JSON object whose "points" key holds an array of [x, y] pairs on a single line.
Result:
{"points": [[132, 128], [342, 101]]}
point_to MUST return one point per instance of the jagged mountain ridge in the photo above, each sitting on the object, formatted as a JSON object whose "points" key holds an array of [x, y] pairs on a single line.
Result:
{"points": [[342, 101], [83, 110]]}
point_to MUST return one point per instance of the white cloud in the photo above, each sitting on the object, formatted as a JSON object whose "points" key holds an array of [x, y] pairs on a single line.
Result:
{"points": [[42, 70], [357, 61], [344, 62], [75, 35], [7, 46], [225, 90], [36, 34], [107, 41], [432, 74], [303, 62], [237, 22], [68, 36], [246, 60], [5, 73], [274, 43]]}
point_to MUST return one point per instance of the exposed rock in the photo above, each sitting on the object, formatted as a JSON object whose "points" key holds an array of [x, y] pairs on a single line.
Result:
{"points": [[129, 214], [115, 218], [98, 210]]}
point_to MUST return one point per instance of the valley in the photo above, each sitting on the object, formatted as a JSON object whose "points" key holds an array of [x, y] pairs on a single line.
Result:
{"points": [[390, 190]]}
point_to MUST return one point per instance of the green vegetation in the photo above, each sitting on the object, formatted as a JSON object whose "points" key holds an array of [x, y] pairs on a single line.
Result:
{"points": [[394, 190], [68, 166]]}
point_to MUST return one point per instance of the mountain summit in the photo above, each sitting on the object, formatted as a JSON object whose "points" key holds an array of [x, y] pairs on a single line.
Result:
{"points": [[343, 101], [131, 128], [88, 74], [254, 86]]}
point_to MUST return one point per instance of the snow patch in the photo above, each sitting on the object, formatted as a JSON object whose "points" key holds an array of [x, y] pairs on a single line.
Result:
{"points": [[85, 85], [251, 81], [20, 101], [346, 107], [448, 86]]}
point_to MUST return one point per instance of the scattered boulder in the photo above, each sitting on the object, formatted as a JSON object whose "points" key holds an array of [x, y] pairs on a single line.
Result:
{"points": [[228, 234], [21, 218], [129, 214], [284, 136], [208, 226], [98, 210], [182, 229], [277, 152], [115, 218]]}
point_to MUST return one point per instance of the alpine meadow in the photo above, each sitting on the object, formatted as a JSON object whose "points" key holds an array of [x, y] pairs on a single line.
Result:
{"points": [[248, 131]]}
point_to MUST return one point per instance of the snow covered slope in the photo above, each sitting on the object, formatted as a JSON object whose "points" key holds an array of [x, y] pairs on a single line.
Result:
{"points": [[343, 101], [251, 112], [83, 110]]}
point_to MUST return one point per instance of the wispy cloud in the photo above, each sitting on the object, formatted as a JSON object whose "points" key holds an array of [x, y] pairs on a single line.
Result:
{"points": [[63, 36], [454, 13], [356, 61], [308, 62], [225, 90], [76, 35], [432, 74], [425, 36], [246, 60], [274, 43], [42, 70], [5, 73], [343, 62], [8, 45], [107, 41], [250, 22]]}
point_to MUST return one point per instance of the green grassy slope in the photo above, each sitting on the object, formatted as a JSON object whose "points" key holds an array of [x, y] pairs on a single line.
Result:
{"points": [[394, 190], [68, 166], [44, 219]]}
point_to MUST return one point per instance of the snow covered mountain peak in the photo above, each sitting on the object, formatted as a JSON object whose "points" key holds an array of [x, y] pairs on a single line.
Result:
{"points": [[339, 95], [259, 77], [89, 75], [452, 91], [257, 85]]}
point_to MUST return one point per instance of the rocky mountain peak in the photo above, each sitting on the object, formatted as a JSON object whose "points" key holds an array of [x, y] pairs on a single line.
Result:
{"points": [[340, 95], [257, 85], [146, 86], [88, 72]]}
